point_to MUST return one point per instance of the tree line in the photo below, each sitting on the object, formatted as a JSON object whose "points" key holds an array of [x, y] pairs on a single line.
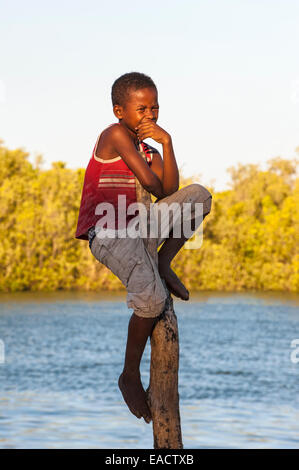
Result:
{"points": [[249, 238]]}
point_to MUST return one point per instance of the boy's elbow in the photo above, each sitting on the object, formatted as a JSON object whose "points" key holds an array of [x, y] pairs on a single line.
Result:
{"points": [[151, 184], [171, 190], [151, 188], [148, 188]]}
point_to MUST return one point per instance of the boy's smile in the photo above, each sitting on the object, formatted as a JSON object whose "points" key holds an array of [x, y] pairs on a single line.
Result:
{"points": [[141, 105]]}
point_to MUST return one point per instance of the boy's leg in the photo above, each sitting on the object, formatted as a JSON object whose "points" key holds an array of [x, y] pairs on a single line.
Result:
{"points": [[129, 260], [129, 381], [166, 254], [146, 295], [194, 193]]}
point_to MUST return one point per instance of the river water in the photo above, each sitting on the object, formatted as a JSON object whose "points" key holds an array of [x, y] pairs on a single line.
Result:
{"points": [[61, 355]]}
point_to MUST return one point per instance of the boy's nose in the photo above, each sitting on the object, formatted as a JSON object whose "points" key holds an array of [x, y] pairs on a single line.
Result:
{"points": [[149, 114]]}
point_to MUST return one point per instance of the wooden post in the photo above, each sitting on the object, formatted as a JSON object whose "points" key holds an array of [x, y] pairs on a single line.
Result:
{"points": [[163, 397]]}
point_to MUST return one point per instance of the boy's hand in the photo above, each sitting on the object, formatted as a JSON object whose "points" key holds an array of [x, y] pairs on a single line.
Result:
{"points": [[149, 129]]}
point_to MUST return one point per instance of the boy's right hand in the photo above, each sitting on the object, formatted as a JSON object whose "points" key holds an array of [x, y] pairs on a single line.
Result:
{"points": [[150, 129]]}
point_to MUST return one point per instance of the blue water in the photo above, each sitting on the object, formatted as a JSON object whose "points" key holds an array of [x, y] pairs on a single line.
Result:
{"points": [[63, 354]]}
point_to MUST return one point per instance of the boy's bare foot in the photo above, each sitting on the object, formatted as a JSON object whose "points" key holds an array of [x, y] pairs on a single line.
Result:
{"points": [[173, 283], [134, 395]]}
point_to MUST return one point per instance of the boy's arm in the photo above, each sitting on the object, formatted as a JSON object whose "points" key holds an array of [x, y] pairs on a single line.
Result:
{"points": [[166, 169], [124, 146]]}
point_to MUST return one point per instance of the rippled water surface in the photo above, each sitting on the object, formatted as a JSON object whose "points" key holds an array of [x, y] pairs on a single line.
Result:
{"points": [[63, 354]]}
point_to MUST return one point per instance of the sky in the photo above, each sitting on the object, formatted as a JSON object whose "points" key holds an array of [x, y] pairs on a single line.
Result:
{"points": [[227, 74]]}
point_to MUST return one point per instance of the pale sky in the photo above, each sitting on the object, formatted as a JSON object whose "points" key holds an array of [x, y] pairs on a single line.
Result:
{"points": [[227, 73]]}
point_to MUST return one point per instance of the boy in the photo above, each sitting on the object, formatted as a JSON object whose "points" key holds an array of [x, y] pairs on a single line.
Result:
{"points": [[117, 159]]}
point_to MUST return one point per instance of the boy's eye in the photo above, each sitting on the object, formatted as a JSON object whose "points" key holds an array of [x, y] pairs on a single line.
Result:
{"points": [[143, 109]]}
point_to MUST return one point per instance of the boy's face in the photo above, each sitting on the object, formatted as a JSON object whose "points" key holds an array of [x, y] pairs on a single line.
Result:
{"points": [[142, 104]]}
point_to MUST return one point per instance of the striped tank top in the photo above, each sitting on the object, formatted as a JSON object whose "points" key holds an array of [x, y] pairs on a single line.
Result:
{"points": [[104, 182]]}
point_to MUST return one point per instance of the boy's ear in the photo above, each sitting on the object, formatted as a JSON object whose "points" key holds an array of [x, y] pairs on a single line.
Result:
{"points": [[118, 111]]}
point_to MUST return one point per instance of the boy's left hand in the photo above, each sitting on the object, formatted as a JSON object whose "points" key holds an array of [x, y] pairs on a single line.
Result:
{"points": [[149, 129]]}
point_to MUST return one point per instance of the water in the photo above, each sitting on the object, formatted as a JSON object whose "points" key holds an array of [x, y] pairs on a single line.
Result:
{"points": [[64, 352]]}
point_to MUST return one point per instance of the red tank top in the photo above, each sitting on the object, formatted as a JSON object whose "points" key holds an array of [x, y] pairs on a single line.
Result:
{"points": [[104, 180]]}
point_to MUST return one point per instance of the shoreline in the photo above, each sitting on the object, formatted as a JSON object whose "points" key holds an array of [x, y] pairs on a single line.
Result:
{"points": [[120, 295]]}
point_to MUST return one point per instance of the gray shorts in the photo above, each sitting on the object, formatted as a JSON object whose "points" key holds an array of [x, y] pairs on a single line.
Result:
{"points": [[129, 259]]}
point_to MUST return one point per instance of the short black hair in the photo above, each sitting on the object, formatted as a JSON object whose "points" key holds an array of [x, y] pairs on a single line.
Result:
{"points": [[129, 81]]}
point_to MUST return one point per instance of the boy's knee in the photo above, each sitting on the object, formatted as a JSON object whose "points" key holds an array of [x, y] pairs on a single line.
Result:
{"points": [[200, 190], [207, 205], [202, 195], [150, 311]]}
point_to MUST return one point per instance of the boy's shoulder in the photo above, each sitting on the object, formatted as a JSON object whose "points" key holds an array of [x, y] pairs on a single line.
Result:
{"points": [[104, 146], [112, 130]]}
